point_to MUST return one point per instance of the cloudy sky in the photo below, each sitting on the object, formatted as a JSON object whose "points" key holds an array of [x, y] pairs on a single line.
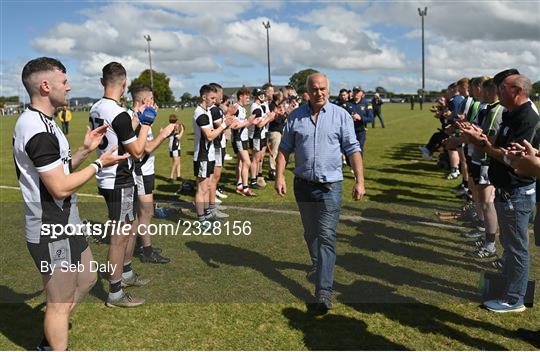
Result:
{"points": [[194, 42]]}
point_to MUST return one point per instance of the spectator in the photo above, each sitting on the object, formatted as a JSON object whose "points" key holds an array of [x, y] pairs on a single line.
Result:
{"points": [[514, 196], [412, 102], [376, 103], [65, 117]]}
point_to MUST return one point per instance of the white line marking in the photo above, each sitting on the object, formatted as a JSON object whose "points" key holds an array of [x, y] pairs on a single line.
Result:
{"points": [[295, 212]]}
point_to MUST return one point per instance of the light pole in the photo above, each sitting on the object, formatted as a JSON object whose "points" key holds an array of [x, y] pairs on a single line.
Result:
{"points": [[423, 14], [148, 40], [267, 26]]}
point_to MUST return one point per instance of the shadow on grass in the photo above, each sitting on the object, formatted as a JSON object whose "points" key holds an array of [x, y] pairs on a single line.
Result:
{"points": [[336, 332], [21, 323], [376, 237], [404, 151], [426, 318], [214, 254]]}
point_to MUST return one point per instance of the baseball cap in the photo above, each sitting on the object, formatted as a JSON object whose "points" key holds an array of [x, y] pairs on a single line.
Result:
{"points": [[356, 88], [499, 77]]}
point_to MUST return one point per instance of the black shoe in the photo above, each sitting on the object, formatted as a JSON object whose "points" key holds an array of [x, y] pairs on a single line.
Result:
{"points": [[157, 250], [255, 186], [155, 258], [323, 305], [531, 336], [137, 251], [272, 175], [170, 180]]}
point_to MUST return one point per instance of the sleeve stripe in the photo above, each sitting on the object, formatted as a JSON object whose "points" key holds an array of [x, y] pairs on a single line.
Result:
{"points": [[50, 166], [131, 140]]}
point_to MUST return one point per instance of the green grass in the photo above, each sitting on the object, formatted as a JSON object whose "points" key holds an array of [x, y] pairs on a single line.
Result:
{"points": [[399, 284]]}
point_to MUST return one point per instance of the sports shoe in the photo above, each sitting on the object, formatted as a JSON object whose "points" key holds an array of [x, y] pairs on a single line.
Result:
{"points": [[261, 182], [217, 200], [240, 190], [473, 234], [503, 306], [222, 207], [453, 175], [461, 191], [426, 154], [249, 193], [531, 336], [217, 214], [228, 157], [256, 186], [125, 301], [154, 258], [134, 280], [480, 243], [324, 303], [483, 253], [220, 194], [497, 264], [272, 175]]}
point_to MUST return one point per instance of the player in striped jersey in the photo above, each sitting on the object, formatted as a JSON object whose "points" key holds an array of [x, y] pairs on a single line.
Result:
{"points": [[45, 169], [116, 183], [258, 134], [204, 155], [240, 142], [144, 175]]}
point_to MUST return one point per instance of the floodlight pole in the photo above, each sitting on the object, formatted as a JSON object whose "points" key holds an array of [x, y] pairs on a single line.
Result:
{"points": [[148, 40], [423, 14], [267, 26]]}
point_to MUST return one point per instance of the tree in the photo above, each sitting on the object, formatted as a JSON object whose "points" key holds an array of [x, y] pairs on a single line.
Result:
{"points": [[185, 98], [536, 88], [162, 91], [298, 80]]}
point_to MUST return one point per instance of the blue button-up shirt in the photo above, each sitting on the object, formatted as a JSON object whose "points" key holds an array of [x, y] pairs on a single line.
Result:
{"points": [[318, 145]]}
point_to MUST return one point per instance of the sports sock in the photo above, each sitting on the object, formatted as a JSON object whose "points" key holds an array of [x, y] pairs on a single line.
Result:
{"points": [[115, 289], [127, 270], [253, 180], [490, 242]]}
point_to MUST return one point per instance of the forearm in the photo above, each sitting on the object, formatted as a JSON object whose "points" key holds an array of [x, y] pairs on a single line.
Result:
{"points": [[136, 149], [281, 162], [495, 153], [79, 157], [358, 166], [61, 185], [153, 144]]}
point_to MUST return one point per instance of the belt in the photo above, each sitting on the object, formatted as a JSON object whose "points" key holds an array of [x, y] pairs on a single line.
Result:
{"points": [[327, 185]]}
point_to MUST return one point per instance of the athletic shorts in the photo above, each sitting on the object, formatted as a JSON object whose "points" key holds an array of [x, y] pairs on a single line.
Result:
{"points": [[61, 253], [258, 143], [121, 203], [479, 174], [175, 153], [240, 145], [145, 184], [220, 156], [203, 169]]}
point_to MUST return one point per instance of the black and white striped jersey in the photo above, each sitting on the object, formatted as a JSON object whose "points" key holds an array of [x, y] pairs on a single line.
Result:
{"points": [[259, 112], [240, 134], [145, 165], [174, 143], [39, 146], [217, 118], [108, 111], [204, 149]]}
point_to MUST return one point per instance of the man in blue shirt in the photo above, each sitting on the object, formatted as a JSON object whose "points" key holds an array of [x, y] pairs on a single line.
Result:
{"points": [[318, 132], [362, 113]]}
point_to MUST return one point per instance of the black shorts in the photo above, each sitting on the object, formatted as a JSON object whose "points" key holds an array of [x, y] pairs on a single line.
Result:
{"points": [[175, 153], [121, 203], [203, 169], [145, 184], [479, 174], [61, 253], [240, 145], [257, 144], [220, 156]]}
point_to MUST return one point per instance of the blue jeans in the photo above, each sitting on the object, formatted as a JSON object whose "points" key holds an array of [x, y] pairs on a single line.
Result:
{"points": [[379, 115], [514, 207], [320, 206]]}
